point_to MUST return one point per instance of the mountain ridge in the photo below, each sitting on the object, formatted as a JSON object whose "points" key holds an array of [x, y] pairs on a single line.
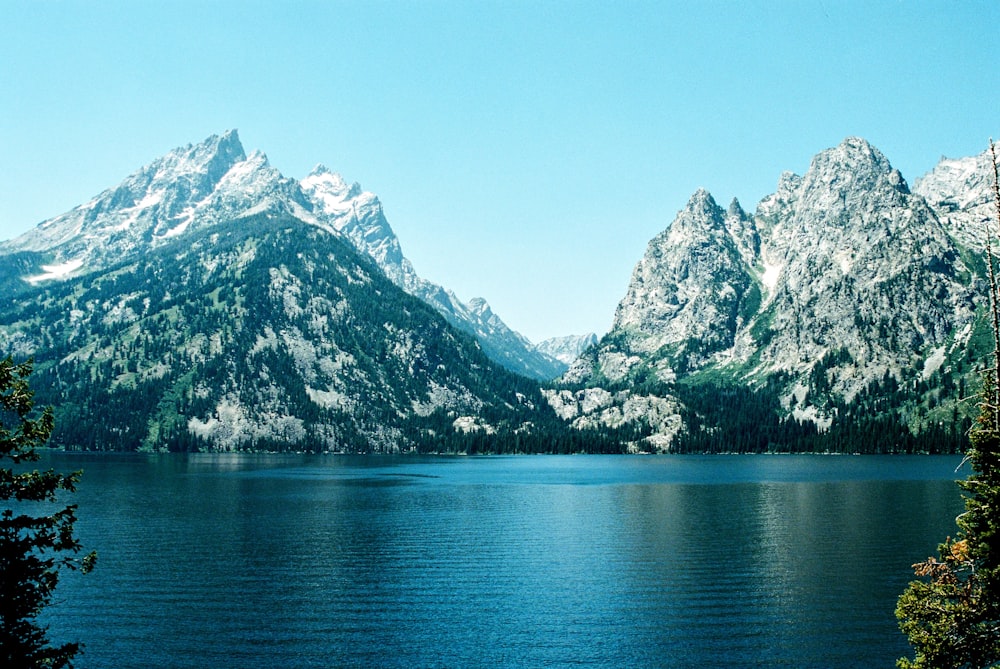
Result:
{"points": [[845, 312], [841, 281], [200, 185]]}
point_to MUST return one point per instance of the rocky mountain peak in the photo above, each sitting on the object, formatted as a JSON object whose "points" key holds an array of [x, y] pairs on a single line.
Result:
{"points": [[215, 182], [218, 152], [853, 168], [160, 200], [701, 208], [736, 210], [684, 299], [841, 280], [568, 348], [961, 193], [203, 164], [330, 191], [958, 183], [479, 306]]}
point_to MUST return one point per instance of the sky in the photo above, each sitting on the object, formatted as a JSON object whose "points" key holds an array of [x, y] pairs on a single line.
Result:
{"points": [[524, 151]]}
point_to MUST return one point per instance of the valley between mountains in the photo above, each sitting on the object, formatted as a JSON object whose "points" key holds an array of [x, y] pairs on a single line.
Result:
{"points": [[210, 303]]}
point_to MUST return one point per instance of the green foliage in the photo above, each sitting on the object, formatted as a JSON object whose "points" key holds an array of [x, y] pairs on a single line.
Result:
{"points": [[30, 546], [261, 315], [724, 417], [952, 617]]}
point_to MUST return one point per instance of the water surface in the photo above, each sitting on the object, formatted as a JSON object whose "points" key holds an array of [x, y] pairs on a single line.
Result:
{"points": [[595, 561]]}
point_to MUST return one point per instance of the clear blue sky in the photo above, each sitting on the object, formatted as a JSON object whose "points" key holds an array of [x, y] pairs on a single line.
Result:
{"points": [[524, 151]]}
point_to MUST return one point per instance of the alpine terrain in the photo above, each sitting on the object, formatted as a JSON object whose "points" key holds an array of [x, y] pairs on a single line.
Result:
{"points": [[208, 302], [844, 313], [216, 182]]}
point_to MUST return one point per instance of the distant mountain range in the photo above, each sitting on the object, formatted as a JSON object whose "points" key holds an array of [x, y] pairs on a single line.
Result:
{"points": [[208, 302]]}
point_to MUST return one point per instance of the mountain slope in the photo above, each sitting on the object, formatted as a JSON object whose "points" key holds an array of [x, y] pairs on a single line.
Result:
{"points": [[199, 186], [208, 302], [266, 333], [685, 301], [358, 215], [961, 193], [568, 348], [841, 286]]}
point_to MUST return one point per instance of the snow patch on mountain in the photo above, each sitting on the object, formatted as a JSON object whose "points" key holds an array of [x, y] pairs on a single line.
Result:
{"points": [[216, 182], [566, 349], [60, 271]]}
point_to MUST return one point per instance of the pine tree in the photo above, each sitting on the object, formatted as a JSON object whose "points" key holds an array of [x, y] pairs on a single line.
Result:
{"points": [[953, 617], [33, 548]]}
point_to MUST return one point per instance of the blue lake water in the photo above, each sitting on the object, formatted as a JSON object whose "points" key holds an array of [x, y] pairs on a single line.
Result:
{"points": [[533, 561]]}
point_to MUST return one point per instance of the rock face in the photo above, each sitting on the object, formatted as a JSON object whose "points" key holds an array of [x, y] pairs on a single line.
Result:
{"points": [[199, 186], [189, 188], [859, 263], [210, 302], [960, 191], [840, 280], [262, 333], [688, 295], [568, 348]]}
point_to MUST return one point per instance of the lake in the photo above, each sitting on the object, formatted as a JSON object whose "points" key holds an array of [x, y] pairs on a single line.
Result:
{"points": [[530, 561]]}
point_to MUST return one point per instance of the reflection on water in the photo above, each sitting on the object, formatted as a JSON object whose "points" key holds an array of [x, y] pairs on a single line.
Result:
{"points": [[311, 561]]}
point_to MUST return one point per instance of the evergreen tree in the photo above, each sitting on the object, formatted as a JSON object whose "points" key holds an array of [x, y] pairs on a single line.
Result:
{"points": [[953, 617], [33, 548]]}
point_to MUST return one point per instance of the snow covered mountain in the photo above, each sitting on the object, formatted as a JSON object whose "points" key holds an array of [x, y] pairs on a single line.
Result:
{"points": [[189, 188], [358, 216], [568, 348], [202, 185], [843, 283], [208, 301], [265, 333]]}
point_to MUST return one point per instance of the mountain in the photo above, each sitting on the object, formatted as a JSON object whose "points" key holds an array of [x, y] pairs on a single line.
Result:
{"points": [[264, 333], [961, 193], [190, 188], [568, 348], [843, 288], [358, 216], [203, 185], [210, 303]]}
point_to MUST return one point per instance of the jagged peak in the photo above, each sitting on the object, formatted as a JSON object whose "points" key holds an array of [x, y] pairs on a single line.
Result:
{"points": [[702, 199], [736, 209], [214, 156], [230, 138], [701, 210], [854, 143], [323, 174], [322, 178], [259, 157], [321, 170], [854, 165], [254, 167], [853, 153], [479, 306], [226, 144]]}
